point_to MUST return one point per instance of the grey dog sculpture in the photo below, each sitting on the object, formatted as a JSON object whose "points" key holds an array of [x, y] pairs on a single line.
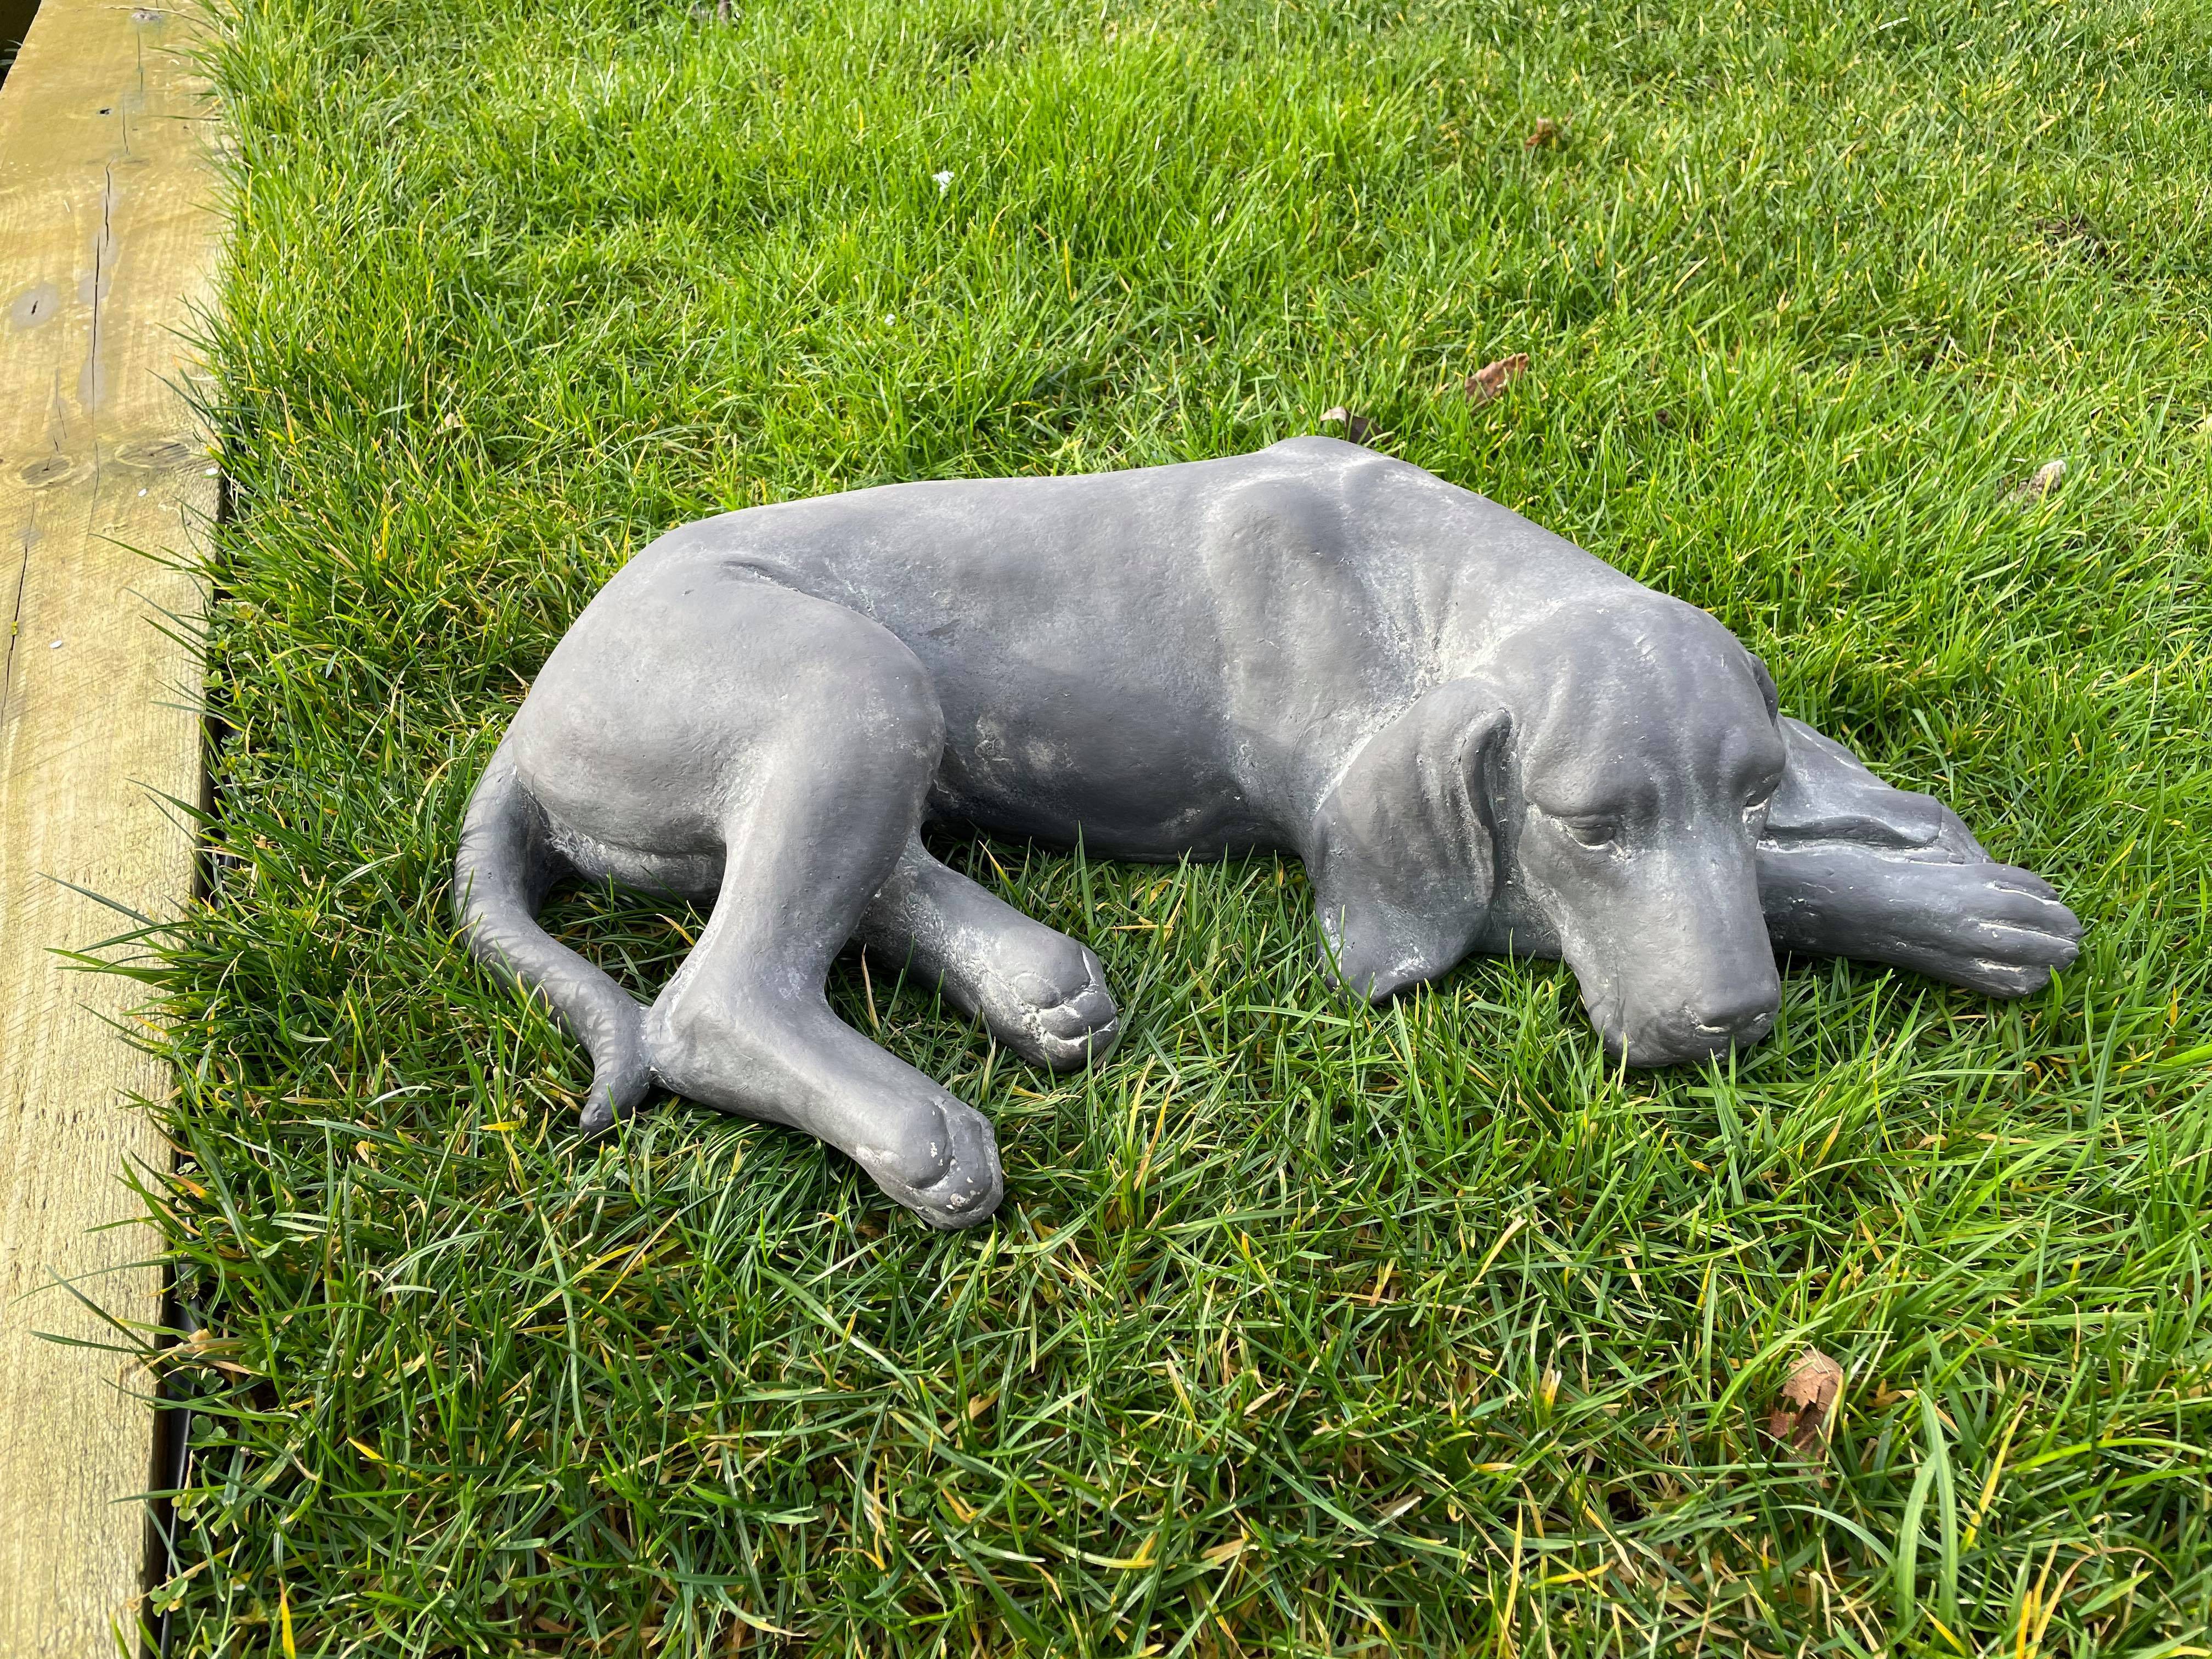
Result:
{"points": [[1477, 736]]}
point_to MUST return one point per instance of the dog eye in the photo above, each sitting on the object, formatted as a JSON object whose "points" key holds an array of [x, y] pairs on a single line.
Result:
{"points": [[1592, 833]]}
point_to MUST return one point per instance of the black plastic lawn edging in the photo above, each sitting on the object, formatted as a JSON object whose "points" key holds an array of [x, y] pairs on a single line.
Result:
{"points": [[15, 17]]}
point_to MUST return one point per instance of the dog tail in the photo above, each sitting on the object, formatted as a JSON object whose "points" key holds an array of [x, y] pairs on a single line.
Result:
{"points": [[507, 865]]}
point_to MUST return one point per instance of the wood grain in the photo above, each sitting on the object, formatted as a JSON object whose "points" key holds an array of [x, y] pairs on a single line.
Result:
{"points": [[108, 239]]}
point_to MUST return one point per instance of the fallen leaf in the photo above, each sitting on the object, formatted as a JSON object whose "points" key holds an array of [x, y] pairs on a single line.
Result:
{"points": [[2035, 489], [1491, 379], [1356, 427], [2072, 230], [203, 1347], [1802, 1417], [1547, 131]]}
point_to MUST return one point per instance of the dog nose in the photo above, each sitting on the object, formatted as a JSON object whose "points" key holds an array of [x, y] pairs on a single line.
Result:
{"points": [[1690, 1035], [1742, 1018]]}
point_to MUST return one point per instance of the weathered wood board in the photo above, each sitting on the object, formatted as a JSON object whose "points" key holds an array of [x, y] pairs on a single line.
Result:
{"points": [[109, 236]]}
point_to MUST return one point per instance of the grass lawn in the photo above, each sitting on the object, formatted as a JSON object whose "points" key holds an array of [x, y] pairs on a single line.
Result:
{"points": [[1303, 1328]]}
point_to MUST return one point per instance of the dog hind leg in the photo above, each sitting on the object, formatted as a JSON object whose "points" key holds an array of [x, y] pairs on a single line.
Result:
{"points": [[832, 792], [1040, 992]]}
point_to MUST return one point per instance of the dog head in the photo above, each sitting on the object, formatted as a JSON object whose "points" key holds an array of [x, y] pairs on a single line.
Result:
{"points": [[1609, 769]]}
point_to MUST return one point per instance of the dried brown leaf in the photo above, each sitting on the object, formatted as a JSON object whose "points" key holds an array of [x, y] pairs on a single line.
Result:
{"points": [[2035, 489], [1356, 427], [1547, 131], [1803, 1415], [1491, 379]]}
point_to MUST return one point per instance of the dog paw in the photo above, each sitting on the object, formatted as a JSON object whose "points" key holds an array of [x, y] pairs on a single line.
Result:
{"points": [[1988, 926], [943, 1165], [1991, 927], [1055, 1012]]}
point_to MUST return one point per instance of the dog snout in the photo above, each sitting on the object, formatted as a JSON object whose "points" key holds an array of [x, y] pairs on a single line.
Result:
{"points": [[1662, 1018], [1710, 1026], [1742, 1017], [1672, 950]]}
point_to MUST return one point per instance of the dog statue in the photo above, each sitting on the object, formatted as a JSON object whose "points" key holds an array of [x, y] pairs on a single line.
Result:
{"points": [[1477, 736]]}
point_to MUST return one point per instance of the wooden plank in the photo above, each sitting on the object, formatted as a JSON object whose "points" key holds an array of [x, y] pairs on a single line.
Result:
{"points": [[108, 239]]}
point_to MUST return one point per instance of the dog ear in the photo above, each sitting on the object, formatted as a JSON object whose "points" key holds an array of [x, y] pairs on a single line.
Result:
{"points": [[1765, 686], [1400, 853]]}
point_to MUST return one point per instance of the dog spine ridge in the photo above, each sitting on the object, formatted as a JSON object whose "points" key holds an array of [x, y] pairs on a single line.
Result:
{"points": [[507, 865]]}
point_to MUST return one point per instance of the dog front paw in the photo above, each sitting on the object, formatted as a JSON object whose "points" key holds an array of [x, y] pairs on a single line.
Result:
{"points": [[1990, 928]]}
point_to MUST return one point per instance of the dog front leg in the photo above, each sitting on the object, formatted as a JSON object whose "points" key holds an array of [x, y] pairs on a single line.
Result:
{"points": [[1849, 866]]}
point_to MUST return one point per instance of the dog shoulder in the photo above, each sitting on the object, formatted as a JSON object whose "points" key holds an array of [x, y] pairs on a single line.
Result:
{"points": [[1320, 499], [1294, 497], [1273, 525], [1315, 448]]}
